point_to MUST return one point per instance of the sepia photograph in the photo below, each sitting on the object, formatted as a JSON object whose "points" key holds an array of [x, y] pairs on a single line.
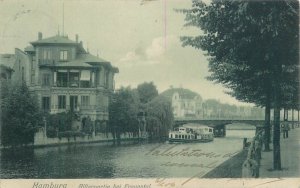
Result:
{"points": [[149, 93]]}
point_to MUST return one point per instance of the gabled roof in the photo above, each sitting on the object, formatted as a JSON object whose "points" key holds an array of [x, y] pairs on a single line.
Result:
{"points": [[85, 60], [183, 93], [54, 40], [94, 60], [89, 58]]}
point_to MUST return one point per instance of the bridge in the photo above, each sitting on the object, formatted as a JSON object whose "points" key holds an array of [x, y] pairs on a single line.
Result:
{"points": [[218, 122], [223, 122]]}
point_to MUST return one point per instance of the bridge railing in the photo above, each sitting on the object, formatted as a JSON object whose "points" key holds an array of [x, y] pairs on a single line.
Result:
{"points": [[251, 165]]}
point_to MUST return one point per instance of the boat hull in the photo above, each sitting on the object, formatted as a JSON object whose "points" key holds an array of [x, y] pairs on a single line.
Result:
{"points": [[174, 140]]}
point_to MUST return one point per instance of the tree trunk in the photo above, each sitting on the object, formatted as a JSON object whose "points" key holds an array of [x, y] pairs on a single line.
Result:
{"points": [[298, 118], [276, 130], [267, 125], [292, 118]]}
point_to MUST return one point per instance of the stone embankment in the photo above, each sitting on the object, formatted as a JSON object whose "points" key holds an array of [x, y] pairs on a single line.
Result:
{"points": [[41, 139]]}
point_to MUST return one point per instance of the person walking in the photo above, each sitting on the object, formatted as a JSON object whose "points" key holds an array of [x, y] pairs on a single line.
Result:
{"points": [[285, 128]]}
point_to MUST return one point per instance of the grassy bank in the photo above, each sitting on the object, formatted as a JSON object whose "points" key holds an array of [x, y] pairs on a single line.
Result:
{"points": [[232, 168]]}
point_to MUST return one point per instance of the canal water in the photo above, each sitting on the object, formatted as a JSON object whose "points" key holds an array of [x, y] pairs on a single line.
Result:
{"points": [[131, 160]]}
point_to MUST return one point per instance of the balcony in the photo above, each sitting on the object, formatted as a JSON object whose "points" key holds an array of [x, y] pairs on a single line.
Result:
{"points": [[73, 84], [46, 62], [79, 108], [74, 79]]}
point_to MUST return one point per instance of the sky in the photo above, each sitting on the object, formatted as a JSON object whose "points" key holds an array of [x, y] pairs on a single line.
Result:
{"points": [[140, 37]]}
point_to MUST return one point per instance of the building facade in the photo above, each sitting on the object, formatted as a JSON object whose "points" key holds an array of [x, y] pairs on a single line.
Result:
{"points": [[65, 77], [185, 103], [6, 66]]}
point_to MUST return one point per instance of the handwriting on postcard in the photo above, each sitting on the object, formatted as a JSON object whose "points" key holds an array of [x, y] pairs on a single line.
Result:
{"points": [[175, 151], [172, 151]]}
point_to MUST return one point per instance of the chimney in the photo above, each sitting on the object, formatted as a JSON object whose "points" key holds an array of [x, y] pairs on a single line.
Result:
{"points": [[40, 35], [76, 38]]}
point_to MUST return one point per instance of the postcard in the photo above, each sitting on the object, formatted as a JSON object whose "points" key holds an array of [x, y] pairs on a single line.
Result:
{"points": [[149, 93]]}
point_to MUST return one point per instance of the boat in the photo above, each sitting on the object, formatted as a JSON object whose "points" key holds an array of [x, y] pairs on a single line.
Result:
{"points": [[192, 133]]}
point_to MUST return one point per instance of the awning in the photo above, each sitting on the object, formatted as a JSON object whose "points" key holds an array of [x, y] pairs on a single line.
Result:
{"points": [[62, 71], [85, 75], [73, 70]]}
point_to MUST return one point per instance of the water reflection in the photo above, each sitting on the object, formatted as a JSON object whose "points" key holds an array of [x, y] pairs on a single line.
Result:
{"points": [[100, 160]]}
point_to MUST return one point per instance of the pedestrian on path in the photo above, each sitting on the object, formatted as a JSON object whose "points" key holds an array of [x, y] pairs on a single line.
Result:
{"points": [[285, 128]]}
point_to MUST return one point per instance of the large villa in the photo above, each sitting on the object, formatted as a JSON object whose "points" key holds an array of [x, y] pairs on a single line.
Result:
{"points": [[64, 76]]}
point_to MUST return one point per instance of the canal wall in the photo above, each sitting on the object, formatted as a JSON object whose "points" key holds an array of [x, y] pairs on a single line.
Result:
{"points": [[250, 168], [40, 139]]}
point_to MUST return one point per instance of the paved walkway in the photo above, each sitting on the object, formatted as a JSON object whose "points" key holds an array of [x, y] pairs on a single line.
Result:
{"points": [[290, 158]]}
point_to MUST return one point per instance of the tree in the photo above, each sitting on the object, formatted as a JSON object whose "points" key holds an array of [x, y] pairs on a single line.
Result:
{"points": [[60, 122], [123, 110], [20, 115], [249, 44], [147, 92], [159, 117]]}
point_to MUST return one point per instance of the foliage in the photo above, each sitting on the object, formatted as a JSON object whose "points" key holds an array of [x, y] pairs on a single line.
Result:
{"points": [[253, 48], [69, 134], [240, 39], [159, 117], [20, 115], [59, 122], [225, 111], [125, 106], [147, 91], [123, 110]]}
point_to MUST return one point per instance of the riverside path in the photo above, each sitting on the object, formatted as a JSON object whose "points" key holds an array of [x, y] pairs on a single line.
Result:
{"points": [[290, 157]]}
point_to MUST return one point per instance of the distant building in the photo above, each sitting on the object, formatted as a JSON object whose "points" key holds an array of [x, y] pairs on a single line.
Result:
{"points": [[189, 104], [65, 77], [6, 66], [185, 103]]}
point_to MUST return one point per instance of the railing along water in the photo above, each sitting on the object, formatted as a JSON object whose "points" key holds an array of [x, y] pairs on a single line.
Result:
{"points": [[251, 165]]}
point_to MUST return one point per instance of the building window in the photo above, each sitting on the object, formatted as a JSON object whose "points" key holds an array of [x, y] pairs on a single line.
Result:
{"points": [[106, 78], [46, 103], [85, 100], [85, 78], [46, 80], [32, 65], [32, 77], [61, 102], [63, 55], [62, 79], [47, 54], [73, 103], [74, 79]]}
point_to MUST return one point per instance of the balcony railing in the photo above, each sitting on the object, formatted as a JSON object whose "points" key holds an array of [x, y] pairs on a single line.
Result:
{"points": [[46, 62], [79, 108], [74, 84]]}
